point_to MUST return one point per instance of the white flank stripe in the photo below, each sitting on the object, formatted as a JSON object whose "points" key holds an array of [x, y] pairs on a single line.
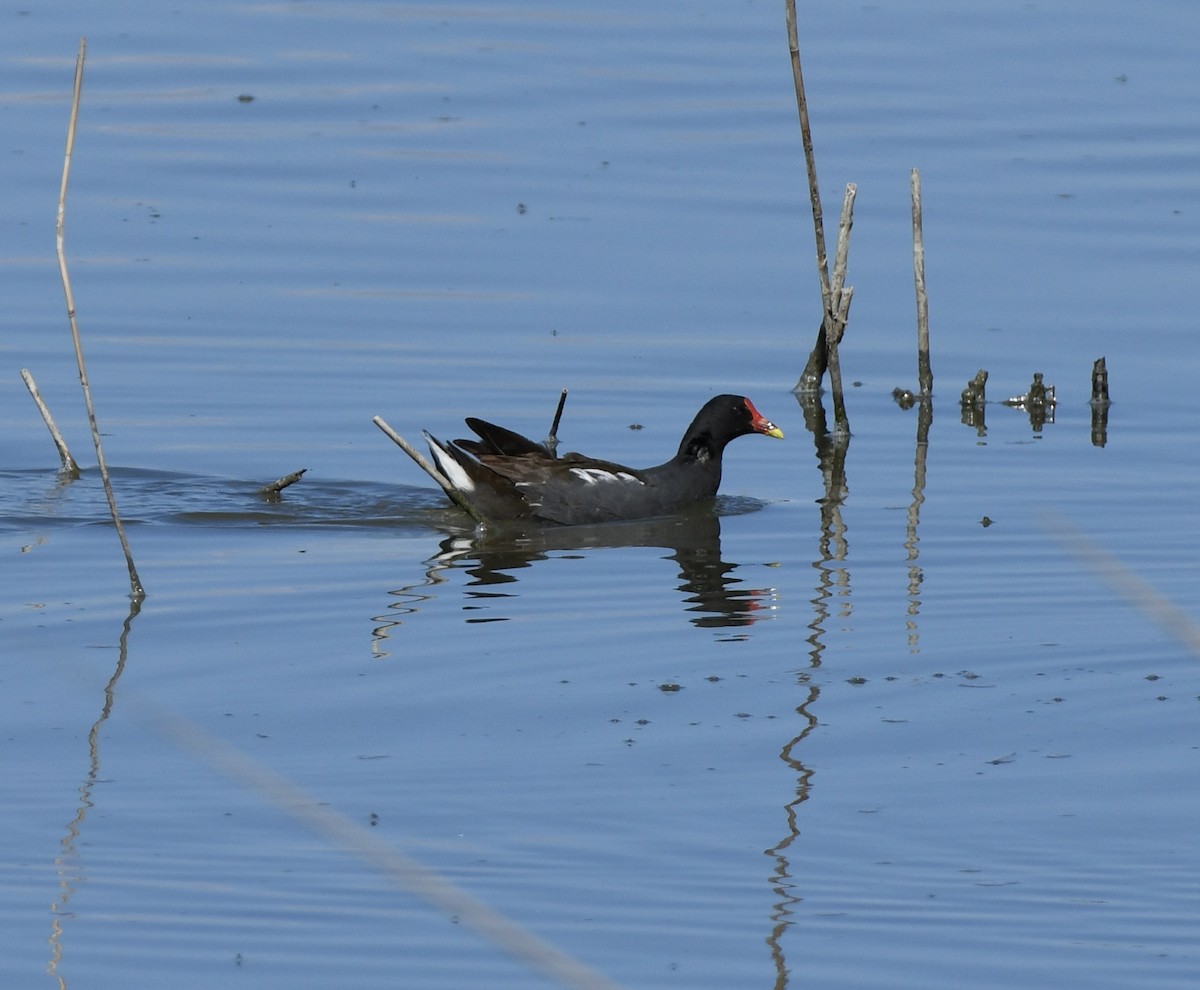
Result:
{"points": [[593, 475]]}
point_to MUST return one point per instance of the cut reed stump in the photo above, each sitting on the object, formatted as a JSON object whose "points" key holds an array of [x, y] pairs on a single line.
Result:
{"points": [[1038, 402], [1100, 383], [974, 395], [1100, 403], [974, 402], [1039, 396]]}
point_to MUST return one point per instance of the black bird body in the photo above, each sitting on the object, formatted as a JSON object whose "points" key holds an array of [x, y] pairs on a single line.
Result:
{"points": [[504, 475]]}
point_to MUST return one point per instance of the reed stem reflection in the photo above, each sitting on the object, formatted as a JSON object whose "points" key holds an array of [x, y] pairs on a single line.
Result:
{"points": [[833, 581], [67, 863]]}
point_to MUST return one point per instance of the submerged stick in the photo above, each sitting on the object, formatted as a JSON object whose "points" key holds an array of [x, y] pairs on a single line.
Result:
{"points": [[69, 467], [924, 371], [275, 487], [453, 493], [137, 592]]}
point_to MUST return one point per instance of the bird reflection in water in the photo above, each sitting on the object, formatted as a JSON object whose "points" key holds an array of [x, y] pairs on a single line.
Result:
{"points": [[712, 596]]}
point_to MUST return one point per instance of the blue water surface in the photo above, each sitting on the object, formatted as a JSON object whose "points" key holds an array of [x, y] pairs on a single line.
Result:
{"points": [[922, 715]]}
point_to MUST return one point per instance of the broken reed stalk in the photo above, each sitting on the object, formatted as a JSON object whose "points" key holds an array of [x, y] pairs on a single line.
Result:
{"points": [[810, 378], [840, 296], [69, 467], [924, 371], [137, 592], [842, 254], [429, 469]]}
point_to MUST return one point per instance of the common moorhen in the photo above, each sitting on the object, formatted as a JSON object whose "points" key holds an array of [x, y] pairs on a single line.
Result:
{"points": [[504, 475]]}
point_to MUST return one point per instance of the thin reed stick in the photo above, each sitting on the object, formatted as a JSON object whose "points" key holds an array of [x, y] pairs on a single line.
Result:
{"points": [[924, 371], [810, 162], [455, 495], [69, 467], [552, 438], [136, 591]]}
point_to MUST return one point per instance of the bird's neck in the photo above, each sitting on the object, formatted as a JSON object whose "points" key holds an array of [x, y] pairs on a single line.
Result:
{"points": [[700, 448]]}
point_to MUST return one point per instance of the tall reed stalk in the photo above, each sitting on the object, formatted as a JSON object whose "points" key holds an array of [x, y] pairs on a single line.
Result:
{"points": [[136, 591]]}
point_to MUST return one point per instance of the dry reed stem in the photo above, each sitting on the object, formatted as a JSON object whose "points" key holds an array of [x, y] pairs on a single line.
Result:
{"points": [[818, 359], [924, 371], [69, 467], [137, 592], [810, 162], [455, 496]]}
